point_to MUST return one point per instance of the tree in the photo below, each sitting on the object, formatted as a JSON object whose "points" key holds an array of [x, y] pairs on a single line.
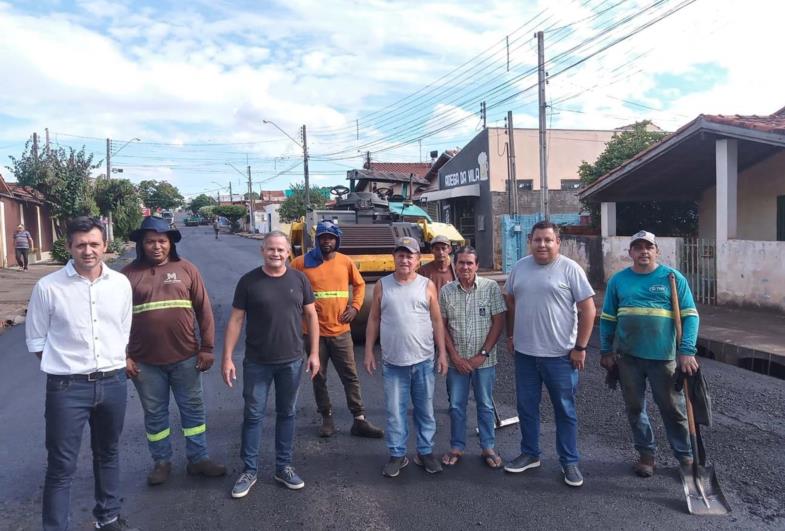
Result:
{"points": [[120, 197], [293, 207], [674, 218], [254, 195], [231, 212], [61, 177], [159, 194], [199, 201], [207, 211]]}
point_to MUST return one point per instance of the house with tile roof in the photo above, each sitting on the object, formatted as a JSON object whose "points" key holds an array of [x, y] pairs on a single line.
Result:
{"points": [[734, 168]]}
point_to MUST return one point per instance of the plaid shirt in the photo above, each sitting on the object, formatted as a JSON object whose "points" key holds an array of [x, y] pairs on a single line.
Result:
{"points": [[468, 315]]}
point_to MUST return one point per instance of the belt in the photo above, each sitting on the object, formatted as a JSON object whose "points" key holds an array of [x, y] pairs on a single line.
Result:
{"points": [[92, 377]]}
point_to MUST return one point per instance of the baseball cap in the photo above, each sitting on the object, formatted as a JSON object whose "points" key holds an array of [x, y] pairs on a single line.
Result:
{"points": [[645, 236], [408, 243], [441, 239]]}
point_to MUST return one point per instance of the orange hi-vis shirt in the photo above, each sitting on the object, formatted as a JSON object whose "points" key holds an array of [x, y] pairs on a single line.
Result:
{"points": [[330, 282]]}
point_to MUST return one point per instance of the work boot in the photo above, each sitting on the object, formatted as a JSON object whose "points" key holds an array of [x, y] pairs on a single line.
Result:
{"points": [[645, 466], [160, 473], [207, 468], [363, 428], [328, 426]]}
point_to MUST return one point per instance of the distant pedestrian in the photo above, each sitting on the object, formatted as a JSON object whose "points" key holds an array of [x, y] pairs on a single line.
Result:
{"points": [[164, 354], [544, 292], [23, 243], [331, 273], [216, 227], [77, 324], [441, 269], [473, 311], [637, 333], [405, 311], [276, 300]]}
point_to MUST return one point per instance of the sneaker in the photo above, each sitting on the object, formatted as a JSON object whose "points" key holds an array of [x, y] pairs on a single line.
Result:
{"points": [[160, 473], [572, 476], [363, 428], [522, 463], [207, 468], [645, 466], [118, 525], [243, 484], [429, 463], [328, 426], [289, 478], [394, 466]]}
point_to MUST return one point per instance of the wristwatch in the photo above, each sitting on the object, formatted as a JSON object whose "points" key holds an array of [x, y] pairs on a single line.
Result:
{"points": [[485, 353], [579, 348]]}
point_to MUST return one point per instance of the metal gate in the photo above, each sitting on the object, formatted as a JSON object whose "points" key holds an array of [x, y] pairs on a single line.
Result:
{"points": [[699, 265], [515, 231]]}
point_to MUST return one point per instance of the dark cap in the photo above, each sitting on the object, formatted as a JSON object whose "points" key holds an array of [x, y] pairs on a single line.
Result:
{"points": [[155, 224], [408, 243]]}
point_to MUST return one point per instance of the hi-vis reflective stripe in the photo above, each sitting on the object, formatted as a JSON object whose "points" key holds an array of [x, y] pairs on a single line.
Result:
{"points": [[161, 435], [162, 305], [607, 317], [687, 312], [196, 430], [654, 312], [330, 294]]}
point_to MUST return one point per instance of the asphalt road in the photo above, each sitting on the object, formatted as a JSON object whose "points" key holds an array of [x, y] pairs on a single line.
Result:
{"points": [[344, 486]]}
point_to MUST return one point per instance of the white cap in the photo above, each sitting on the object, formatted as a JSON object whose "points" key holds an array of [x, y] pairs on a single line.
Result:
{"points": [[643, 235]]}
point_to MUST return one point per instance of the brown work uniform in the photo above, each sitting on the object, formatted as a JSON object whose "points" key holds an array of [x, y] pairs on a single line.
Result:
{"points": [[440, 278]]}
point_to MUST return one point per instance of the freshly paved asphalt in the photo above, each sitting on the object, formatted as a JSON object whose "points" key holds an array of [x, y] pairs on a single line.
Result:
{"points": [[344, 486]]}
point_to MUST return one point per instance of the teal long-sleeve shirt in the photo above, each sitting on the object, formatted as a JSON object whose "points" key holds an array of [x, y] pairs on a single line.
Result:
{"points": [[637, 315]]}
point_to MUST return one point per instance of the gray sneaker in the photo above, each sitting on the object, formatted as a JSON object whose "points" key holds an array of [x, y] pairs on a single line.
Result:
{"points": [[394, 466], [429, 463], [243, 484], [522, 463], [289, 478], [572, 476]]}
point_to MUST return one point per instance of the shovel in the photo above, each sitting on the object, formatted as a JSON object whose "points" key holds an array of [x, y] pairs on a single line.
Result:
{"points": [[704, 496]]}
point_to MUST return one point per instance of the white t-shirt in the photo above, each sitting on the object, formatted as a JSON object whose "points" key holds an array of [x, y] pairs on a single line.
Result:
{"points": [[546, 318]]}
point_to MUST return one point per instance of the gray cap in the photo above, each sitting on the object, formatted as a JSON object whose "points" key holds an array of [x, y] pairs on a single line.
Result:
{"points": [[441, 239], [643, 235], [408, 243]]}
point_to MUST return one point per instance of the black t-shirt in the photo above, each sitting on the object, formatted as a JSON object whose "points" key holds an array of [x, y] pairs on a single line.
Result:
{"points": [[274, 314]]}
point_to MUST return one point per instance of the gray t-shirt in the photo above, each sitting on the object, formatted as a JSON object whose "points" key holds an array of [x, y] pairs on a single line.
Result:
{"points": [[546, 318], [406, 330]]}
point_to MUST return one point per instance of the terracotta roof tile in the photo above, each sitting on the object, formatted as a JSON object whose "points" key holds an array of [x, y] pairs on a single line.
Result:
{"points": [[419, 169], [774, 123]]}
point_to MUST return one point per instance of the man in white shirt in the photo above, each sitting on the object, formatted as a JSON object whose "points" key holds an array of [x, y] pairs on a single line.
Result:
{"points": [[78, 322]]}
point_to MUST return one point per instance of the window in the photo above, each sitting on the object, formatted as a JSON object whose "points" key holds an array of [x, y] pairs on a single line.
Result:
{"points": [[570, 184], [525, 184]]}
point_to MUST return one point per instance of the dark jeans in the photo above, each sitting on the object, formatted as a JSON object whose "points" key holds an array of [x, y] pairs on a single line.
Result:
{"points": [[633, 373], [185, 381], [257, 380], [70, 403], [21, 257], [561, 381], [340, 350]]}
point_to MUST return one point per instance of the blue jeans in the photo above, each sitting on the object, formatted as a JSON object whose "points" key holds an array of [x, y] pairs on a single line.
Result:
{"points": [[400, 383], [633, 373], [561, 381], [153, 384], [481, 380], [257, 380], [70, 403]]}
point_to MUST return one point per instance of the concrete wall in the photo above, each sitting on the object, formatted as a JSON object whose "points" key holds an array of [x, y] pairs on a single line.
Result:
{"points": [[751, 274], [616, 257], [587, 251], [567, 148], [759, 187]]}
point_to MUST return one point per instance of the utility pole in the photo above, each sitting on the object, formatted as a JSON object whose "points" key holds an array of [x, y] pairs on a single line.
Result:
{"points": [[109, 228], [305, 173], [250, 202], [544, 206], [511, 188], [511, 155], [35, 147], [47, 140], [483, 112], [231, 198]]}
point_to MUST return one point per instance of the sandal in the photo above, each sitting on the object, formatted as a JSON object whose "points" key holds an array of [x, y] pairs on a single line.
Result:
{"points": [[452, 457], [492, 459]]}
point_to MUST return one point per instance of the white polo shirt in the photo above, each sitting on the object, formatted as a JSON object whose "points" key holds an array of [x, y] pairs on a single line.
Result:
{"points": [[80, 326]]}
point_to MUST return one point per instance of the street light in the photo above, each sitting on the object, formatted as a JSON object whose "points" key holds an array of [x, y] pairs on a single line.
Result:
{"points": [[109, 176], [118, 150], [304, 146]]}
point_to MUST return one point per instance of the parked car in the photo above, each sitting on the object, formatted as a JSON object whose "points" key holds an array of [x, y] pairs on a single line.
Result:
{"points": [[193, 221]]}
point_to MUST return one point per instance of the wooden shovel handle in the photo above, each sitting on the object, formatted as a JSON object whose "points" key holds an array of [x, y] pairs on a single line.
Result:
{"points": [[677, 324]]}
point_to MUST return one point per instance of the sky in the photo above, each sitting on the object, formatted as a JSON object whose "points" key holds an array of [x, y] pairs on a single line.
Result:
{"points": [[183, 89]]}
